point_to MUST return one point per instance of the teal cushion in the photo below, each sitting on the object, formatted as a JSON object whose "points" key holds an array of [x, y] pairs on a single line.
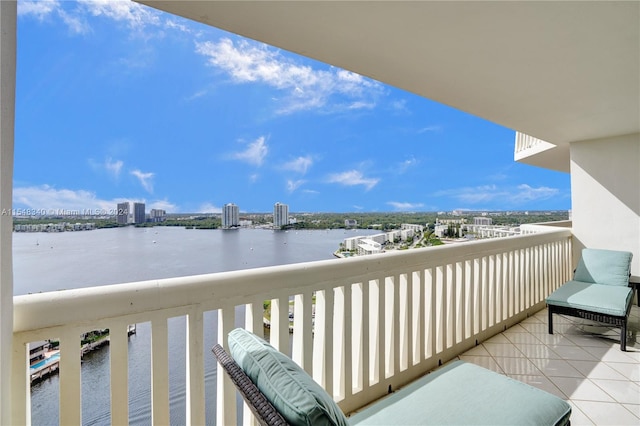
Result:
{"points": [[607, 267], [604, 299], [298, 398], [465, 394]]}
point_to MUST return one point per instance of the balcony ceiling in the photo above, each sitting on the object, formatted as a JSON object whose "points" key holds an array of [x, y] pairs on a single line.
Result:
{"points": [[559, 71]]}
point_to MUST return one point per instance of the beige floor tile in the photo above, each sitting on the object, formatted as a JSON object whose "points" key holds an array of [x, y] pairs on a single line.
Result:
{"points": [[556, 368], [478, 351], [613, 354], [518, 366], [603, 413], [503, 350], [634, 408], [573, 353], [578, 418], [540, 382], [483, 361], [525, 337], [588, 340], [624, 392], [597, 370], [498, 338], [581, 389], [536, 328], [537, 351], [630, 371]]}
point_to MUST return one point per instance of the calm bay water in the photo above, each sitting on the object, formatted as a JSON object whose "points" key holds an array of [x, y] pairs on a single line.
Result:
{"points": [[54, 261]]}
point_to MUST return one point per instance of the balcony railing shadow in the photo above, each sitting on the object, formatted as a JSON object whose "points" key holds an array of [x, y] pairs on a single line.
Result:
{"points": [[360, 325]]}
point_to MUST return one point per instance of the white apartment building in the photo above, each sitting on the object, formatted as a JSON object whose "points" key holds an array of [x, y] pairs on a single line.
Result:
{"points": [[280, 215], [230, 216]]}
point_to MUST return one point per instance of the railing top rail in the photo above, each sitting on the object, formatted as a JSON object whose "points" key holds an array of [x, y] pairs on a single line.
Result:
{"points": [[212, 291]]}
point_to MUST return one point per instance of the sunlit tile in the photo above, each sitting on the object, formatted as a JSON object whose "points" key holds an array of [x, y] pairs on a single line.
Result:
{"points": [[622, 391], [536, 328], [603, 413], [556, 368], [597, 370], [498, 338], [540, 382], [525, 338], [587, 340], [581, 389], [613, 354], [628, 370], [578, 418], [634, 408], [478, 351], [573, 353], [535, 351], [503, 350], [483, 361], [518, 366]]}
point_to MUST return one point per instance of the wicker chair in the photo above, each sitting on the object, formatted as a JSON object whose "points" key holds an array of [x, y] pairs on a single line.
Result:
{"points": [[265, 413]]}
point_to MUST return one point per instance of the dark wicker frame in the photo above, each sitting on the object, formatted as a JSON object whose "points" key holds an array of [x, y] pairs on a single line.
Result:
{"points": [[614, 320], [265, 413]]}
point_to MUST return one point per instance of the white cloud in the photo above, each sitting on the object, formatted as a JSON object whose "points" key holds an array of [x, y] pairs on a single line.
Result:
{"points": [[293, 185], [406, 165], [518, 195], [353, 178], [404, 206], [300, 164], [255, 152], [209, 208], [113, 167], [40, 8], [305, 87], [527, 193], [133, 14], [146, 179], [47, 198], [165, 205], [434, 128]]}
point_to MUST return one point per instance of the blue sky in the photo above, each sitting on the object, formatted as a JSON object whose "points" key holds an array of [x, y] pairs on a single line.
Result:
{"points": [[116, 101]]}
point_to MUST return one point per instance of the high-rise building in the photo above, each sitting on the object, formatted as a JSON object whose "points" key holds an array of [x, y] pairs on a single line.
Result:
{"points": [[139, 215], [280, 215], [122, 213], [157, 215], [230, 216]]}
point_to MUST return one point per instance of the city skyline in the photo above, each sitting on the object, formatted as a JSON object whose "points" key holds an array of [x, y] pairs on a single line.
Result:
{"points": [[152, 108]]}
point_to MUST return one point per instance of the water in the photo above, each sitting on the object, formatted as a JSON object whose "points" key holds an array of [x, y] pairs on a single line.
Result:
{"points": [[49, 262]]}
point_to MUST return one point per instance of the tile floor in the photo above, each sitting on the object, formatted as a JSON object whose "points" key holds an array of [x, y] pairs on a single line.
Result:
{"points": [[581, 363]]}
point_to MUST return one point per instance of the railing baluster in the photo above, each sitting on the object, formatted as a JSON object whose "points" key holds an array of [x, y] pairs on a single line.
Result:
{"points": [[280, 324], [20, 384], [70, 381], [365, 351], [302, 331], [119, 365], [347, 340], [226, 391], [195, 399], [159, 372]]}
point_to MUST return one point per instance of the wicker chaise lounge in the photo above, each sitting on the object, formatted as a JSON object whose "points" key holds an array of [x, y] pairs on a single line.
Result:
{"points": [[600, 291], [279, 392]]}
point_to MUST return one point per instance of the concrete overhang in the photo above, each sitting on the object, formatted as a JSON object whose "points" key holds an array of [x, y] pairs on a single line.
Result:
{"points": [[560, 71]]}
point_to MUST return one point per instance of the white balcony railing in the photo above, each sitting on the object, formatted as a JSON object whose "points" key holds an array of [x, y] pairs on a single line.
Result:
{"points": [[380, 321]]}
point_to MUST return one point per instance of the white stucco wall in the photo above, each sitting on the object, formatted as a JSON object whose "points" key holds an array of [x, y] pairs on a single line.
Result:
{"points": [[605, 191]]}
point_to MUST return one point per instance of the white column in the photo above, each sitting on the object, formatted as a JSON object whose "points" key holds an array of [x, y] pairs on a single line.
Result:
{"points": [[8, 13]]}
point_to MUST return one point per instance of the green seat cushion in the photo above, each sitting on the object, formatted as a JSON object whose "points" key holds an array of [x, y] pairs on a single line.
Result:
{"points": [[607, 267], [298, 398], [465, 394], [603, 299]]}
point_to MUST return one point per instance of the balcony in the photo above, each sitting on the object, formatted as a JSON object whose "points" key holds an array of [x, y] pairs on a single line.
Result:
{"points": [[360, 324], [536, 152]]}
